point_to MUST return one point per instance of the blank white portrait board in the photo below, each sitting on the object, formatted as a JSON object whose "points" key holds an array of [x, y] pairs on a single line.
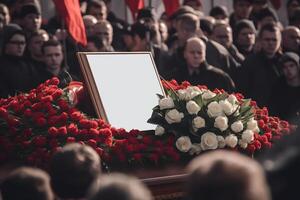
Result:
{"points": [[127, 84]]}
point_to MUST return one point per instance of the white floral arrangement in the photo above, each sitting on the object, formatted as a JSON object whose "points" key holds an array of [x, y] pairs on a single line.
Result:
{"points": [[205, 120]]}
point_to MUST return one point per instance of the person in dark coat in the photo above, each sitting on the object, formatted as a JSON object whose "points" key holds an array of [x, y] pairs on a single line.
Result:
{"points": [[285, 97], [198, 72], [16, 75], [260, 71]]}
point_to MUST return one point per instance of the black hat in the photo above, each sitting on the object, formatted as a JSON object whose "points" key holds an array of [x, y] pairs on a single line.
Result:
{"points": [[29, 9], [289, 56], [146, 13], [8, 32], [244, 23]]}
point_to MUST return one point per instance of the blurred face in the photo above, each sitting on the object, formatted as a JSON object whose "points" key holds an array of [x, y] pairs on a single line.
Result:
{"points": [[291, 39], [104, 31], [290, 71], [31, 22], [16, 45], [242, 9], [270, 42], [223, 35], [5, 13], [163, 30], [89, 25], [194, 53], [292, 7], [35, 44], [246, 38], [53, 57], [99, 12]]}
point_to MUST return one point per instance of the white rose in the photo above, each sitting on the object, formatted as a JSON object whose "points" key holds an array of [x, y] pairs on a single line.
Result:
{"points": [[198, 122], [166, 103], [159, 130], [232, 99], [184, 144], [208, 95], [231, 140], [192, 107], [184, 95], [252, 125], [195, 149], [173, 116], [243, 144], [221, 123], [191, 89], [209, 141], [221, 141], [248, 136], [237, 126], [226, 107], [214, 109]]}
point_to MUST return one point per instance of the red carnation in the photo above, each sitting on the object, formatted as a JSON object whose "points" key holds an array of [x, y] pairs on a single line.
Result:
{"points": [[57, 94], [47, 98], [92, 143], [72, 128], [3, 113], [137, 156], [76, 116], [63, 105], [40, 141], [53, 131], [94, 131], [41, 121], [62, 130], [99, 151], [54, 81], [71, 139]]}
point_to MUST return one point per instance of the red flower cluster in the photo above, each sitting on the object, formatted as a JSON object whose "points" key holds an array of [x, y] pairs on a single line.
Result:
{"points": [[35, 125]]}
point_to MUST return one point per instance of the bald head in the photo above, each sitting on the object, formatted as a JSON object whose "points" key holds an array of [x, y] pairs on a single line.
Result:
{"points": [[104, 30], [291, 39], [194, 52], [89, 22]]}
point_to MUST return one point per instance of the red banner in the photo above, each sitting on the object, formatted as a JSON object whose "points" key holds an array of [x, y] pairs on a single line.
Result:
{"points": [[135, 6], [69, 10], [171, 6]]}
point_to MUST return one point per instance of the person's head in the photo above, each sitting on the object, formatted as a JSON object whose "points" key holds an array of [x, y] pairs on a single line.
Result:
{"points": [[89, 23], [73, 170], [222, 33], [270, 39], [97, 8], [4, 12], [289, 63], [265, 16], [142, 34], [53, 55], [295, 18], [242, 8], [291, 5], [27, 183], [187, 26], [95, 44], [206, 25], [35, 42], [291, 39], [194, 52], [196, 4], [258, 5], [226, 175], [146, 14], [30, 17], [219, 12], [244, 34], [163, 30], [13, 41], [103, 29], [117, 186]]}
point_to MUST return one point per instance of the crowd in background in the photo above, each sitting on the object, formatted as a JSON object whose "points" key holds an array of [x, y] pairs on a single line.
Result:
{"points": [[247, 51]]}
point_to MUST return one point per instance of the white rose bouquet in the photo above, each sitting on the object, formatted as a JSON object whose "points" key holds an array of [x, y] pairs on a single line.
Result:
{"points": [[205, 120]]}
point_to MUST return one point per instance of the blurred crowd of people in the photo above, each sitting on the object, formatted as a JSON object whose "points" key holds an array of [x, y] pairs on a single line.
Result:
{"points": [[247, 51]]}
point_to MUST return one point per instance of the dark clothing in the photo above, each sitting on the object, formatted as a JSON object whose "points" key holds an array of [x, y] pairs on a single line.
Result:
{"points": [[16, 75], [257, 76], [64, 77], [244, 52], [285, 101], [207, 75], [236, 55]]}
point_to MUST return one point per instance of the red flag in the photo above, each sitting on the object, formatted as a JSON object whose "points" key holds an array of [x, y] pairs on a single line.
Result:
{"points": [[171, 6], [134, 6], [69, 10], [276, 4]]}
